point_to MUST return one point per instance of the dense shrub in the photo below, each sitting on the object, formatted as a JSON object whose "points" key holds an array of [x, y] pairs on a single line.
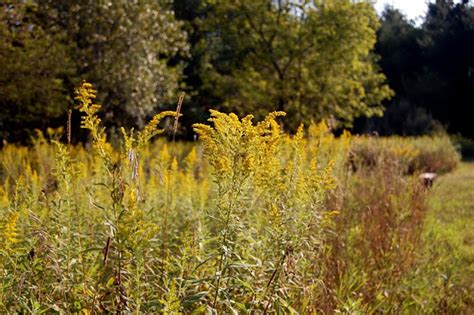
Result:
{"points": [[415, 155]]}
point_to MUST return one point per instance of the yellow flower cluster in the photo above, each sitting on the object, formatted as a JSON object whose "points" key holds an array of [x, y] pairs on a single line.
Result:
{"points": [[85, 94], [10, 231]]}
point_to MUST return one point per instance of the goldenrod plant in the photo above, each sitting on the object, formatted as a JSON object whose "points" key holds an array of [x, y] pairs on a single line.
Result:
{"points": [[248, 220]]}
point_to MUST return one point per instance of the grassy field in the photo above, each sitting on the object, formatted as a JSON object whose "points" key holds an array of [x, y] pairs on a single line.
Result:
{"points": [[449, 235]]}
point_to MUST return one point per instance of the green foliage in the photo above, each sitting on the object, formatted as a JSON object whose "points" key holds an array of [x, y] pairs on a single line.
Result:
{"points": [[34, 68], [430, 69], [124, 48], [312, 60], [448, 46]]}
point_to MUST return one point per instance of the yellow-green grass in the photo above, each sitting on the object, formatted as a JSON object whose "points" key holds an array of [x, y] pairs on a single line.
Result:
{"points": [[449, 235]]}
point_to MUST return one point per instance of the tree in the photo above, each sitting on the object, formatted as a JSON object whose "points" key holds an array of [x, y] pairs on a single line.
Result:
{"points": [[430, 68], [399, 45], [448, 46], [34, 69], [193, 14], [398, 42], [125, 48], [311, 59]]}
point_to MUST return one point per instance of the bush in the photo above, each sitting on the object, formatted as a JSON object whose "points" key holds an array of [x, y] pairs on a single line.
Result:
{"points": [[416, 155]]}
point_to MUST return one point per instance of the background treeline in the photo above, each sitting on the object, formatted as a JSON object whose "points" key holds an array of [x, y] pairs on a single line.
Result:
{"points": [[332, 59], [430, 68]]}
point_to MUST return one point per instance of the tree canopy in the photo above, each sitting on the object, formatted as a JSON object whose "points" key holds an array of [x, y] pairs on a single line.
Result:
{"points": [[126, 48], [311, 59], [431, 69], [34, 71], [332, 59]]}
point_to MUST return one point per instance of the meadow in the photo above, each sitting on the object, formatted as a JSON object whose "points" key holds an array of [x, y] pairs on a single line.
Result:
{"points": [[248, 219]]}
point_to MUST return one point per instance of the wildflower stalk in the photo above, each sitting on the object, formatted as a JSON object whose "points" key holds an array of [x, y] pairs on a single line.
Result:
{"points": [[168, 191], [274, 277], [123, 216], [164, 250], [224, 245]]}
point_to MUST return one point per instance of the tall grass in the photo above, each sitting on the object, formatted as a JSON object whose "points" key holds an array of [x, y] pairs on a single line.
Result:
{"points": [[249, 220]]}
